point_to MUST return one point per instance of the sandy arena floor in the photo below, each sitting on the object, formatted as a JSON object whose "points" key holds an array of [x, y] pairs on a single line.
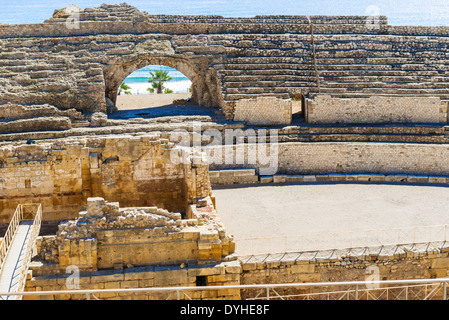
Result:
{"points": [[346, 210], [331, 215]]}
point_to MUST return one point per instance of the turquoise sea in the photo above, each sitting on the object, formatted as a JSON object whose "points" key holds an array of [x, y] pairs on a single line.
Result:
{"points": [[143, 74], [138, 80], [399, 12]]}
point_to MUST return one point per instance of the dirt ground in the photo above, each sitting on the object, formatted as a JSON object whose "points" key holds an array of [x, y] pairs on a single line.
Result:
{"points": [[333, 215]]}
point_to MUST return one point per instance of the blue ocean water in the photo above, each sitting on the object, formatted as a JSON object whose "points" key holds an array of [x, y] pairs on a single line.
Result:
{"points": [[179, 82], [141, 75], [399, 12]]}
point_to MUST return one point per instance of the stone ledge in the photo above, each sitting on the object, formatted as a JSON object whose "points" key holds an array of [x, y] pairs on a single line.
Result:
{"points": [[218, 178], [233, 176]]}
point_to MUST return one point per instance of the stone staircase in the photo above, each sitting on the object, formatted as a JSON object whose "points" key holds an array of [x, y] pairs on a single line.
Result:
{"points": [[366, 69]]}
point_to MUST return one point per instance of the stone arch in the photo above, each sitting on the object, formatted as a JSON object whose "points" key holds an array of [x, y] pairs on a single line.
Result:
{"points": [[202, 91]]}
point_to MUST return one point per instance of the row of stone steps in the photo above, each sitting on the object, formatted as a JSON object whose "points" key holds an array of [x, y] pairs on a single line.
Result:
{"points": [[350, 133], [333, 82], [441, 139], [346, 40], [236, 88], [261, 62], [284, 92], [403, 75]]}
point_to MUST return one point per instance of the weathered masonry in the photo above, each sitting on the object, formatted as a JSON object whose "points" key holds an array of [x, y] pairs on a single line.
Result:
{"points": [[133, 171], [250, 68]]}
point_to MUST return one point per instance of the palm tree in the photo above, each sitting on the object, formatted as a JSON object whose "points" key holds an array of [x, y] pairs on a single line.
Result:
{"points": [[153, 87], [124, 88], [157, 80]]}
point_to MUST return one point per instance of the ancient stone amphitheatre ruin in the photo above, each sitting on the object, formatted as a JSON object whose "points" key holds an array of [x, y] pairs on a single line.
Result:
{"points": [[104, 203]]}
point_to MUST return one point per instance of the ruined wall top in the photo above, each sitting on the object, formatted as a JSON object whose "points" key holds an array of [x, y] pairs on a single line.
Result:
{"points": [[125, 12], [124, 18]]}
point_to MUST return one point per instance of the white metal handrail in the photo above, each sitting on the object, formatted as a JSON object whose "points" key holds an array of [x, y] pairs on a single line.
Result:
{"points": [[30, 246], [5, 245], [342, 240], [442, 282], [9, 235], [381, 293]]}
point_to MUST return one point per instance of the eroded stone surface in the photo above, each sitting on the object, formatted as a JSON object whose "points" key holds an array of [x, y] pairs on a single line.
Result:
{"points": [[136, 236], [227, 59]]}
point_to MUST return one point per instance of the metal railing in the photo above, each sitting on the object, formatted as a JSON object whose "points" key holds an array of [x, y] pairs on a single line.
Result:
{"points": [[9, 235], [342, 240], [31, 242], [5, 245], [426, 291], [429, 289], [413, 292]]}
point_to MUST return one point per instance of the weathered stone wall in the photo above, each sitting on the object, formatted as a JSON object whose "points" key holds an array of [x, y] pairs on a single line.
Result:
{"points": [[107, 236], [263, 111], [134, 171], [291, 268], [398, 266], [334, 157], [376, 109], [132, 245], [19, 118], [242, 176], [228, 59], [216, 274], [138, 171]]}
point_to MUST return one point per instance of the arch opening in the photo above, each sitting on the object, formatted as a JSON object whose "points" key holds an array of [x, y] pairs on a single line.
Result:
{"points": [[298, 107], [154, 86], [188, 84]]}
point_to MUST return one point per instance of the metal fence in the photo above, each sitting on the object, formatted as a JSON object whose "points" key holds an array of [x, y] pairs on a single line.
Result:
{"points": [[30, 245], [412, 289], [24, 212], [9, 235]]}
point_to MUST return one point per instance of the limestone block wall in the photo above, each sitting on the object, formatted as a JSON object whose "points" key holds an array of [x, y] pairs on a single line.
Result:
{"points": [[107, 236], [298, 267], [376, 109], [134, 171], [134, 247], [263, 111], [47, 174], [238, 176], [364, 158], [82, 253], [335, 157], [214, 274], [403, 265]]}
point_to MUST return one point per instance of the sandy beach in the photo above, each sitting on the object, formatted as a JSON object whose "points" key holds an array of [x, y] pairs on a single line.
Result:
{"points": [[143, 101]]}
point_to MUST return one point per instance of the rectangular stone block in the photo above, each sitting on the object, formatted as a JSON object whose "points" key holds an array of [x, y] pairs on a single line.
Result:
{"points": [[310, 178], [375, 109], [294, 178], [279, 178], [266, 179]]}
